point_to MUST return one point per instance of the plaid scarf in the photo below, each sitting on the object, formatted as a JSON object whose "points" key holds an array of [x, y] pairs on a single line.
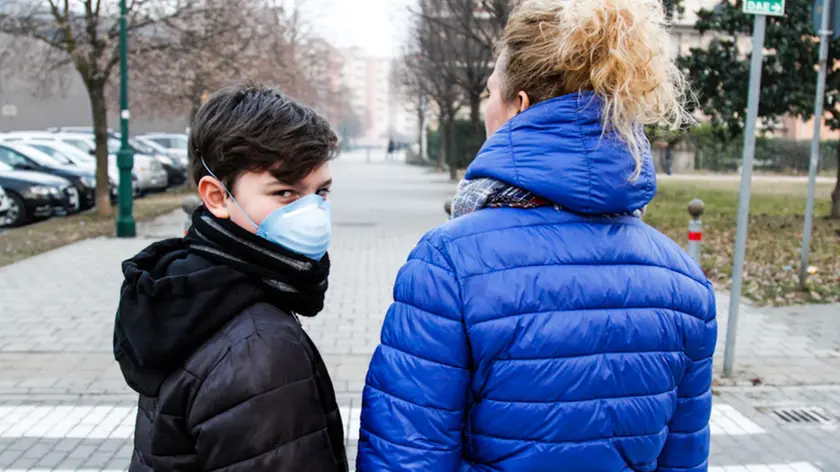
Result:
{"points": [[473, 195]]}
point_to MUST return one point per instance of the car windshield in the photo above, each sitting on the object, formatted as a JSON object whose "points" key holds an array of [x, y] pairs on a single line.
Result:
{"points": [[35, 155], [59, 156], [142, 147], [178, 142], [73, 153], [80, 144]]}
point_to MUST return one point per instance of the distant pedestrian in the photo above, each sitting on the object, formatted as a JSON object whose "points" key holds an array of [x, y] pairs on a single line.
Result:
{"points": [[207, 330], [669, 159], [391, 148], [547, 327]]}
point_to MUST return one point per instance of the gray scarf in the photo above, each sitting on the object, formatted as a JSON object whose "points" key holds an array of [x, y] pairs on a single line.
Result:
{"points": [[473, 195]]}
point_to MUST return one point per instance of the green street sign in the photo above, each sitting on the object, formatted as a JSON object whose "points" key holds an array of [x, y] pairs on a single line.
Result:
{"points": [[765, 7]]}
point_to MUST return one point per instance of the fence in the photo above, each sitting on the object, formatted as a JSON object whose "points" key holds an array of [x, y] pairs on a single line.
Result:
{"points": [[701, 150], [777, 155], [467, 142]]}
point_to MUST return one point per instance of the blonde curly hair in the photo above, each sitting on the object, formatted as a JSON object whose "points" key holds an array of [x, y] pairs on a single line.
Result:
{"points": [[615, 48]]}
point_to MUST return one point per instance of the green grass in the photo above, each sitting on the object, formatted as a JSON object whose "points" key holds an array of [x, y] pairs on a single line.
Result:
{"points": [[20, 243], [773, 244]]}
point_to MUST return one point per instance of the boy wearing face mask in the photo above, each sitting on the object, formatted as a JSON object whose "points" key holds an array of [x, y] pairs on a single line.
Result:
{"points": [[207, 331]]}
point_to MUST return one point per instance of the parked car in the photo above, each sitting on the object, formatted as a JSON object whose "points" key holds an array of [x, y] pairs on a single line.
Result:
{"points": [[176, 169], [182, 159], [35, 195], [22, 157], [151, 176], [173, 144], [65, 153], [74, 139], [4, 206], [176, 172]]}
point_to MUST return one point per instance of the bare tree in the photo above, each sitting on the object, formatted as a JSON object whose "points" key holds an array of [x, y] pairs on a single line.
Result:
{"points": [[474, 27], [297, 61], [286, 48], [83, 35], [456, 39], [431, 56], [207, 50], [266, 41], [415, 89]]}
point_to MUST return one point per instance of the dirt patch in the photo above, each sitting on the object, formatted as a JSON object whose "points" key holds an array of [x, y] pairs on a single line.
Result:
{"points": [[20, 243]]}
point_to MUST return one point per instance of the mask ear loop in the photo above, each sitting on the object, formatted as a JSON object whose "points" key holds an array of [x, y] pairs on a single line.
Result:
{"points": [[256, 226]]}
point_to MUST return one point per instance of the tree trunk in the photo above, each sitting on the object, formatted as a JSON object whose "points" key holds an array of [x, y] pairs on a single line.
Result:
{"points": [[99, 109], [452, 148], [442, 140], [835, 195], [421, 128], [475, 112], [479, 133]]}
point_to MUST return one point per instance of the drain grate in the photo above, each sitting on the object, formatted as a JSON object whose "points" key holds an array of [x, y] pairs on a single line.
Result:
{"points": [[802, 416]]}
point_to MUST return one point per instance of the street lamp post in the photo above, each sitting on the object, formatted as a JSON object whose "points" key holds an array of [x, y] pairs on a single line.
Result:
{"points": [[126, 227]]}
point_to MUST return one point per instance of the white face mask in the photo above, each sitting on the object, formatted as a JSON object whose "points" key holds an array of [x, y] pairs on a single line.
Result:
{"points": [[303, 226]]}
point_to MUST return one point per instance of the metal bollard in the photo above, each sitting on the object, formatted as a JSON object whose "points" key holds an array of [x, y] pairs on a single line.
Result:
{"points": [[695, 229], [189, 205]]}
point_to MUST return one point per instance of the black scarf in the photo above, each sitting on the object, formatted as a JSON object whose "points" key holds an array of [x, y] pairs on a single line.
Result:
{"points": [[294, 282]]}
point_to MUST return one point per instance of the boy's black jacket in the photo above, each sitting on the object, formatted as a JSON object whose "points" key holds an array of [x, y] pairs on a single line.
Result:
{"points": [[206, 334]]}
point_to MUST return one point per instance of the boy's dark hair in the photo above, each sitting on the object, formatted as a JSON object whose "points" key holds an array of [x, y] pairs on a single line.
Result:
{"points": [[252, 128]]}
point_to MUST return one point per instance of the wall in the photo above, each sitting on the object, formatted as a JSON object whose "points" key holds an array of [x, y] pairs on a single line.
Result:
{"points": [[70, 108], [682, 159]]}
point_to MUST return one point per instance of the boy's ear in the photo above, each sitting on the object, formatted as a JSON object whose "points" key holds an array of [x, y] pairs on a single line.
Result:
{"points": [[214, 196]]}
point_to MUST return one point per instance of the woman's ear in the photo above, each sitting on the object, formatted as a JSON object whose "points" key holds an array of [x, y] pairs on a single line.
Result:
{"points": [[214, 196], [524, 101]]}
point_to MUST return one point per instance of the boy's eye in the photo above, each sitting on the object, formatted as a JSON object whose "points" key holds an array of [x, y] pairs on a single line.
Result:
{"points": [[324, 192], [284, 193]]}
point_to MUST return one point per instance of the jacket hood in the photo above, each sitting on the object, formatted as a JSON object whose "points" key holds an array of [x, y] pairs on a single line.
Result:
{"points": [[557, 149], [171, 302]]}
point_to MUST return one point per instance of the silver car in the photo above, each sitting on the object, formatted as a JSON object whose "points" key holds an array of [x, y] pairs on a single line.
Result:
{"points": [[151, 176], [173, 144]]}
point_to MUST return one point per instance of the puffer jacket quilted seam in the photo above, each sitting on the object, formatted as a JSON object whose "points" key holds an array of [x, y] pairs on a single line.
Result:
{"points": [[587, 154], [529, 313], [579, 264]]}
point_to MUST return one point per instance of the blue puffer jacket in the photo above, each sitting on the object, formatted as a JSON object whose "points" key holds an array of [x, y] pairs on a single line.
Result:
{"points": [[546, 339]]}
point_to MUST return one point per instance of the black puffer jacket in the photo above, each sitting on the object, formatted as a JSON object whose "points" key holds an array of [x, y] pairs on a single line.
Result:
{"points": [[227, 380]]}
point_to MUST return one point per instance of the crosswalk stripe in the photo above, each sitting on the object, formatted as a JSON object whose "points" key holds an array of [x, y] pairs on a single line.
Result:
{"points": [[57, 422], [117, 422], [728, 421], [791, 467], [61, 470]]}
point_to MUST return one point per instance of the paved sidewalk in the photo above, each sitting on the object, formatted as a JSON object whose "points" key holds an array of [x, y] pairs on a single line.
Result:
{"points": [[64, 405], [797, 345]]}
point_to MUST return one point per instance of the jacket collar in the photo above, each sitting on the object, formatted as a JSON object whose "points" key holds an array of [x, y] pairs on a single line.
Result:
{"points": [[558, 149]]}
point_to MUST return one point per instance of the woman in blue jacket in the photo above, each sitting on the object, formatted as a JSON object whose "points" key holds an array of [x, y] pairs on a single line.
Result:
{"points": [[547, 327]]}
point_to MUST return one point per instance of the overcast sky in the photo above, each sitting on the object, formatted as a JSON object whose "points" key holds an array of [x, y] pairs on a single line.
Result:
{"points": [[378, 26]]}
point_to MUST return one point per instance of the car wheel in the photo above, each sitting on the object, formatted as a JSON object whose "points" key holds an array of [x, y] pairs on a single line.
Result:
{"points": [[16, 215]]}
